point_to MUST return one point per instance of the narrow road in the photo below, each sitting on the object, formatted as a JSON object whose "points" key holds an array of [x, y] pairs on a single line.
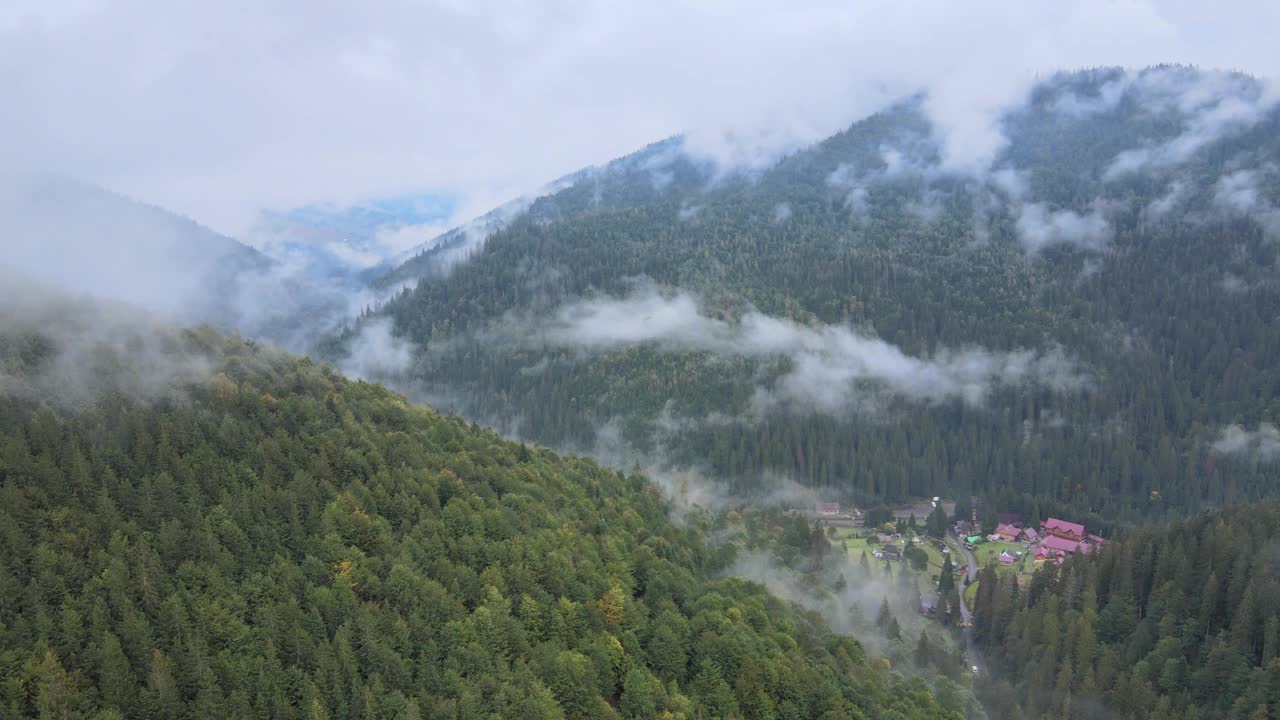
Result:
{"points": [[971, 646]]}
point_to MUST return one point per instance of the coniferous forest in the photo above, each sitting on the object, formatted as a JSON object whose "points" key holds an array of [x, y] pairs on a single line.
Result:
{"points": [[1178, 621], [276, 541]]}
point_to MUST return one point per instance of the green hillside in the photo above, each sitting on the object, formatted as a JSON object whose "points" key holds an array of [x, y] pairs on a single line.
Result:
{"points": [[258, 537]]}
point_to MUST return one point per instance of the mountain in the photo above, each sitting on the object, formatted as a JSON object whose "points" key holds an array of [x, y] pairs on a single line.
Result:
{"points": [[1084, 325], [65, 231], [341, 243], [78, 236], [657, 171], [1178, 621], [197, 526]]}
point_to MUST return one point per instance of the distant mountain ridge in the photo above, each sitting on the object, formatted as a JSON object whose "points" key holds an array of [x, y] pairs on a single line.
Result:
{"points": [[71, 234], [341, 242], [118, 247]]}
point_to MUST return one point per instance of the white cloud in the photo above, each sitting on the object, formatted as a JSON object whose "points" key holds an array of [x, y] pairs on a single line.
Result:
{"points": [[832, 368], [781, 213], [218, 109], [376, 354], [1262, 444], [1161, 206], [1039, 228], [1011, 182], [1108, 97], [1241, 193], [1216, 104], [91, 347]]}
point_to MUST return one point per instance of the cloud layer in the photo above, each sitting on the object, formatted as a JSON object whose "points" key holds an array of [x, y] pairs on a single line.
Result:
{"points": [[1213, 104], [68, 351], [217, 109], [1262, 444], [831, 368]]}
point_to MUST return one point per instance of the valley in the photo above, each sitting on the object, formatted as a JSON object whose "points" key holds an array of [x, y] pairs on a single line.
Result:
{"points": [[851, 430]]}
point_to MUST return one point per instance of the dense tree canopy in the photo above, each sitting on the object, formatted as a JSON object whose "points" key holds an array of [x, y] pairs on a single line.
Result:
{"points": [[1181, 621], [276, 541]]}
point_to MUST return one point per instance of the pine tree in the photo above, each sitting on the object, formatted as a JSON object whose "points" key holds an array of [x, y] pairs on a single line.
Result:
{"points": [[923, 655], [161, 699], [885, 615], [947, 578], [115, 679]]}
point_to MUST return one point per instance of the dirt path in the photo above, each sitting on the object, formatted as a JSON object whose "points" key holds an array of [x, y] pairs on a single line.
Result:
{"points": [[971, 646]]}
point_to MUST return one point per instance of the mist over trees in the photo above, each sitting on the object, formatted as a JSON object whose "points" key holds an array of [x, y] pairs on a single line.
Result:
{"points": [[1106, 286]]}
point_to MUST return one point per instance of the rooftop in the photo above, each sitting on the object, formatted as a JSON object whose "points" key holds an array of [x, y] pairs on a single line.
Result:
{"points": [[1054, 542], [1069, 527]]}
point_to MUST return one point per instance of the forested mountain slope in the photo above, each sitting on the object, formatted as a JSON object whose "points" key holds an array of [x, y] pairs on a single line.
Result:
{"points": [[1173, 622], [659, 171], [1086, 324], [192, 526]]}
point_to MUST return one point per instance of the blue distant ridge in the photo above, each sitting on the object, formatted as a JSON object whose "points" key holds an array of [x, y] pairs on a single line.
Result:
{"points": [[336, 243], [362, 221]]}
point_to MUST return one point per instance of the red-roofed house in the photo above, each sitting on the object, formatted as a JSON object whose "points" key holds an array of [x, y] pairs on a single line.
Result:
{"points": [[1008, 533], [1030, 535], [826, 508], [1053, 542], [1006, 558], [1063, 529], [1097, 540], [1044, 554]]}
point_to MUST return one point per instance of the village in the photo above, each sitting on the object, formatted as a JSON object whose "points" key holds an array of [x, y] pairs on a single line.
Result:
{"points": [[1007, 540]]}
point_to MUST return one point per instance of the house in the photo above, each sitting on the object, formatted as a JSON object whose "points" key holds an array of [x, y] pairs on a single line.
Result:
{"points": [[1008, 533], [891, 552], [1029, 535], [1059, 544], [884, 539], [1044, 554], [1096, 540], [1006, 559], [1063, 529], [826, 508], [973, 539]]}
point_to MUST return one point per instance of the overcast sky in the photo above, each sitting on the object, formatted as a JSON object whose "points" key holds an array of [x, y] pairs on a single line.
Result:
{"points": [[218, 109]]}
